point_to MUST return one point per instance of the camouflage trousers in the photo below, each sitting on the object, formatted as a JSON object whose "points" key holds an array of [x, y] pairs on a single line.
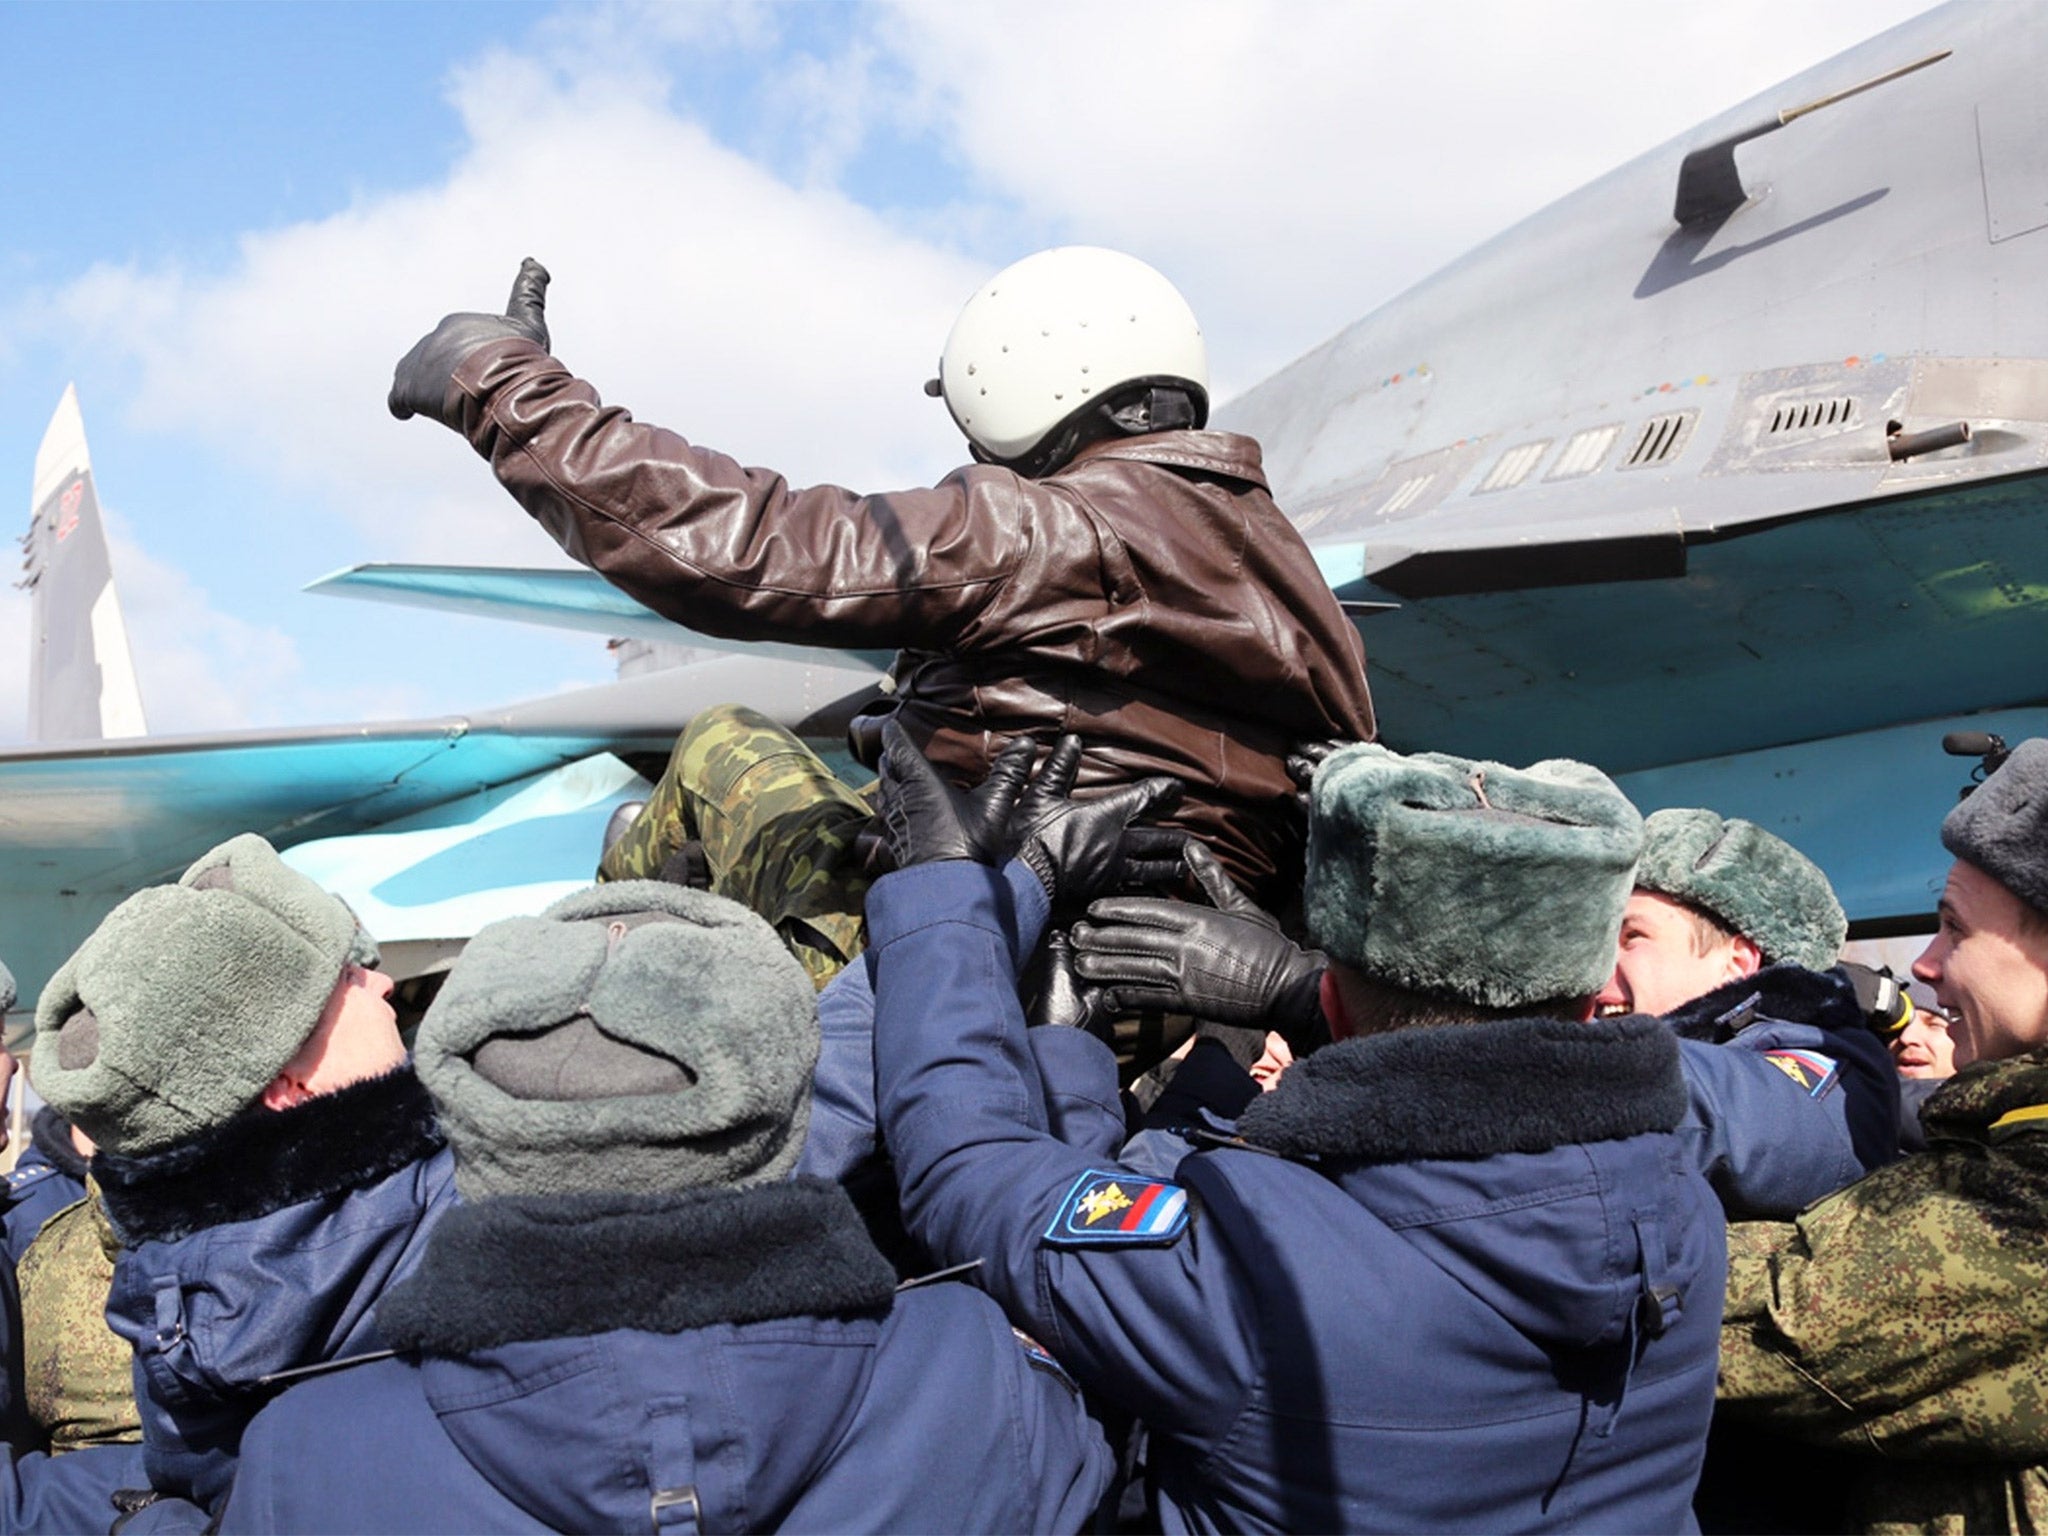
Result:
{"points": [[77, 1373], [777, 828]]}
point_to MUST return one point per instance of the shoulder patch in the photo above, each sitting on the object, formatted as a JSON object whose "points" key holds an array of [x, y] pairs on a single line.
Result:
{"points": [[1809, 1069], [2027, 1119], [1119, 1208], [27, 1178]]}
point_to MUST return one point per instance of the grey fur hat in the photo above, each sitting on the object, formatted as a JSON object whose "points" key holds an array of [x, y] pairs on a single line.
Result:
{"points": [[189, 998], [636, 1036], [1492, 885], [2002, 827], [7, 992], [1747, 879]]}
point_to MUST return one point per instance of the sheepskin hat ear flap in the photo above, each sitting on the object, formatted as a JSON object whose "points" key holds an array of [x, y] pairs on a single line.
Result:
{"points": [[188, 999], [2002, 826], [7, 992], [1748, 880], [1493, 885], [637, 1036]]}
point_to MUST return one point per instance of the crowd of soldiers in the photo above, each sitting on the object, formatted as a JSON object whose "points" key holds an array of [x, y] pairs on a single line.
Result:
{"points": [[1148, 1104]]}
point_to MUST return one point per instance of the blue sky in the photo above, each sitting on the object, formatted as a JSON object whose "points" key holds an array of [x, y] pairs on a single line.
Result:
{"points": [[225, 221]]}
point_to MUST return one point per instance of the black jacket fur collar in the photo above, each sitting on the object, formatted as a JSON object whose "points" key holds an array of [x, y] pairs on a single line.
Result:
{"points": [[523, 1267], [266, 1159], [1824, 999], [50, 1134], [1474, 1090]]}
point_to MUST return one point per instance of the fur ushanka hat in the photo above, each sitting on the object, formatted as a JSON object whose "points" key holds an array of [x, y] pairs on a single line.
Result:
{"points": [[637, 1036], [1748, 880], [1492, 885], [189, 998], [2002, 827]]}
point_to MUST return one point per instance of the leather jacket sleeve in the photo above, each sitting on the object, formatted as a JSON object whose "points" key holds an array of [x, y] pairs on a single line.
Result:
{"points": [[729, 550]]}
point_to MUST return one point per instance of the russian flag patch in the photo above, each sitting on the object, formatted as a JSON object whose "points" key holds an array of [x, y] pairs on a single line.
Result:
{"points": [[1809, 1069], [1104, 1209]]}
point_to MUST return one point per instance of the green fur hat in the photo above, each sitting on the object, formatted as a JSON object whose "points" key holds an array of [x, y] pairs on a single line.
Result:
{"points": [[1496, 886], [189, 998], [1748, 880], [635, 1036], [2002, 826]]}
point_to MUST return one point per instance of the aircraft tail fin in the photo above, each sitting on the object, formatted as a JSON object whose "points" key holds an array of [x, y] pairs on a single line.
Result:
{"points": [[82, 676]]}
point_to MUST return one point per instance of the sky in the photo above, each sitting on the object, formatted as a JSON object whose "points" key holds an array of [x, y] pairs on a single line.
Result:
{"points": [[225, 222]]}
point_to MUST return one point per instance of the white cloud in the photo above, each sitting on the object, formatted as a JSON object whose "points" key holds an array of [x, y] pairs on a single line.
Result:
{"points": [[787, 326], [1294, 164], [1291, 164]]}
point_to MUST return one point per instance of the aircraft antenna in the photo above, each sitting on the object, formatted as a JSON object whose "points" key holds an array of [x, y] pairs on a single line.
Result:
{"points": [[1709, 186], [1792, 113]]}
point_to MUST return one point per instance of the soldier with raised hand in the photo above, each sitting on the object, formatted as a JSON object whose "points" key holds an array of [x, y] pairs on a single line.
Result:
{"points": [[1454, 1273], [1905, 1319]]}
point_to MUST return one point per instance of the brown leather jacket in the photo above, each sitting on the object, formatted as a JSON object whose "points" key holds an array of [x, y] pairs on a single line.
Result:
{"points": [[1149, 596]]}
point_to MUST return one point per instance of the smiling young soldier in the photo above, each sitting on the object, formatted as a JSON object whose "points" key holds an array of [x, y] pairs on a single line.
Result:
{"points": [[1731, 936], [1905, 1319]]}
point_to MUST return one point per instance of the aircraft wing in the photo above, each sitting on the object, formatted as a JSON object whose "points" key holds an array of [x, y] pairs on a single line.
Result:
{"points": [[82, 824], [561, 599]]}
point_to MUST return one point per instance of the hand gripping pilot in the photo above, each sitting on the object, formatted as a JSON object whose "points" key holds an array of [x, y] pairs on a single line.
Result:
{"points": [[1458, 1275], [1790, 1094]]}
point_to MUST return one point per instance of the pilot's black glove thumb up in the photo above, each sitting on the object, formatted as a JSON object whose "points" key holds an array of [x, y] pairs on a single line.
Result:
{"points": [[420, 384]]}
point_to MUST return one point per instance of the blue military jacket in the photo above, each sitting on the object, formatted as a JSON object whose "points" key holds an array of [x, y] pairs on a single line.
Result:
{"points": [[718, 1360], [1791, 1096], [1455, 1279], [260, 1248]]}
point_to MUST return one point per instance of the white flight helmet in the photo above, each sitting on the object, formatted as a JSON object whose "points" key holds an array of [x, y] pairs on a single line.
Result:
{"points": [[1054, 334]]}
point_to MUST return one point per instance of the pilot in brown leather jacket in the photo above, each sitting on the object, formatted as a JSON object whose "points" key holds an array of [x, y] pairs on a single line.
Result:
{"points": [[1146, 594]]}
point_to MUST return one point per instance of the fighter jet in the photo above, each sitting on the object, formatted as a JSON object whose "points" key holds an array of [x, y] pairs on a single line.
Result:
{"points": [[1723, 472]]}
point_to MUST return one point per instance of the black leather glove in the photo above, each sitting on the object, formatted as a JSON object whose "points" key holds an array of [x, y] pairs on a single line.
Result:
{"points": [[926, 819], [1303, 762], [1080, 849], [419, 385], [1062, 1000], [1230, 964]]}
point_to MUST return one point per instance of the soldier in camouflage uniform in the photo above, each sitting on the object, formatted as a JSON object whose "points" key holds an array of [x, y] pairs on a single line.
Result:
{"points": [[1905, 1319], [1907, 1316], [78, 1374], [776, 826]]}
